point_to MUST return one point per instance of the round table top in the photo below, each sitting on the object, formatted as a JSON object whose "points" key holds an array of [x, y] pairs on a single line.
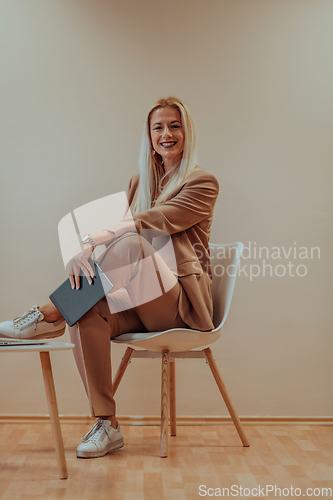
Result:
{"points": [[18, 345]]}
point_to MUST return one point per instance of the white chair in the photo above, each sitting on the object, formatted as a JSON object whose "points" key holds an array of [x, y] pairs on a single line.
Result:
{"points": [[178, 343]]}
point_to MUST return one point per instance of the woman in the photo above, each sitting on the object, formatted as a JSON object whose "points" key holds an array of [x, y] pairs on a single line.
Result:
{"points": [[170, 195]]}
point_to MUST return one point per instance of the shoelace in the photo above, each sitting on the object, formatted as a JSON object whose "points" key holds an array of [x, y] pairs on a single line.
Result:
{"points": [[94, 432], [32, 314]]}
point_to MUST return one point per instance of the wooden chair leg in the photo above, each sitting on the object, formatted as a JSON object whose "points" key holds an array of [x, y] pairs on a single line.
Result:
{"points": [[225, 395], [54, 414], [165, 402], [125, 360], [172, 382]]}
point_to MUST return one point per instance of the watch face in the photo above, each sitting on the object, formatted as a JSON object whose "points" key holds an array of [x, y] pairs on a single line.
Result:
{"points": [[88, 239]]}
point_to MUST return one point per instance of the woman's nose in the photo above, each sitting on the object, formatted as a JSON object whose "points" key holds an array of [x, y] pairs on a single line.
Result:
{"points": [[166, 132]]}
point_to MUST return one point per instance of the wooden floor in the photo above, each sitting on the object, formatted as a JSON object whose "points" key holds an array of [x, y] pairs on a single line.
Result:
{"points": [[285, 456]]}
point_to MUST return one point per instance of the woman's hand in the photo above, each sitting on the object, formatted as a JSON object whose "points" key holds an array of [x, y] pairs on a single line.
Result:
{"points": [[80, 262]]}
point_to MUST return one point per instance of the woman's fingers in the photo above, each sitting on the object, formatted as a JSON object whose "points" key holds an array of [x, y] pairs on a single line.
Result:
{"points": [[87, 273], [77, 268], [77, 280], [71, 280], [89, 270], [74, 281], [74, 276]]}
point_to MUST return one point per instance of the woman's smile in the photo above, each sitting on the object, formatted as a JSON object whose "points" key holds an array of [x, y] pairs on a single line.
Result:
{"points": [[168, 144]]}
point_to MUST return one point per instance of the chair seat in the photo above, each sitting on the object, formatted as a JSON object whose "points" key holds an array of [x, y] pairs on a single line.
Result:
{"points": [[175, 340]]}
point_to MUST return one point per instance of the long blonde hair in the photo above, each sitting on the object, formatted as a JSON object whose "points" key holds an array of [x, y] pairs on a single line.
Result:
{"points": [[151, 165]]}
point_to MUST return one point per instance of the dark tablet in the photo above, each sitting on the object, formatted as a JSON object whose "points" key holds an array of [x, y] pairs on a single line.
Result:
{"points": [[73, 304]]}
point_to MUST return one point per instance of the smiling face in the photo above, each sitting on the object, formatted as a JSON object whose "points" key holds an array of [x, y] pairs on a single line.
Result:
{"points": [[167, 135]]}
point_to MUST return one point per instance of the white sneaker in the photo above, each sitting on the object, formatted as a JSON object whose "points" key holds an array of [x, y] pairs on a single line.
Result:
{"points": [[100, 440], [31, 325]]}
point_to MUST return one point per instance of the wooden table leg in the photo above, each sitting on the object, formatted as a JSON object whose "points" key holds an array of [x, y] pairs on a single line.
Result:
{"points": [[173, 426], [54, 414], [165, 402]]}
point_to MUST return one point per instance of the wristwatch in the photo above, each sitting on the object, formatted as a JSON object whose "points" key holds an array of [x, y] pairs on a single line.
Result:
{"points": [[88, 239]]}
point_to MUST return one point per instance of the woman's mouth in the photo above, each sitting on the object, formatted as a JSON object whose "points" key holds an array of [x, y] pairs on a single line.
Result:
{"points": [[168, 144]]}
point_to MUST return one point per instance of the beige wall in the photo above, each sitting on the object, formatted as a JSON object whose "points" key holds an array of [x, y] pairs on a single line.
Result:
{"points": [[77, 80]]}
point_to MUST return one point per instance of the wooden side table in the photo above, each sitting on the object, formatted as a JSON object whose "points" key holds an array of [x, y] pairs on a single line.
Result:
{"points": [[44, 347]]}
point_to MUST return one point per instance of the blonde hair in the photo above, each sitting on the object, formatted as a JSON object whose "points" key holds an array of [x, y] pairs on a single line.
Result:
{"points": [[151, 165]]}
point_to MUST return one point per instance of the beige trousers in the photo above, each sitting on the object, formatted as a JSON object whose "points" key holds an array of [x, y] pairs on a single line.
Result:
{"points": [[144, 298]]}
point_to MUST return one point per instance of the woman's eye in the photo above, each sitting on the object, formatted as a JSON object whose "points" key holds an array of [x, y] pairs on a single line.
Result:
{"points": [[172, 126]]}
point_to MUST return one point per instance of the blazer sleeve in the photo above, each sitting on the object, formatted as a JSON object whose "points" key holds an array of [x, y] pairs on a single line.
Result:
{"points": [[193, 203]]}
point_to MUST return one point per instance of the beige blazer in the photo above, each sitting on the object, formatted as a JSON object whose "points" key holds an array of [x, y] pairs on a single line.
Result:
{"points": [[187, 216]]}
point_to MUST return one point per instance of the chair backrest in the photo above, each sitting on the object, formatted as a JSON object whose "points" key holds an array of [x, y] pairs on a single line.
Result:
{"points": [[225, 261]]}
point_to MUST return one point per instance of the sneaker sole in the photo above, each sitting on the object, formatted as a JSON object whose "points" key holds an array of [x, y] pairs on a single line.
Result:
{"points": [[116, 445], [48, 335]]}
